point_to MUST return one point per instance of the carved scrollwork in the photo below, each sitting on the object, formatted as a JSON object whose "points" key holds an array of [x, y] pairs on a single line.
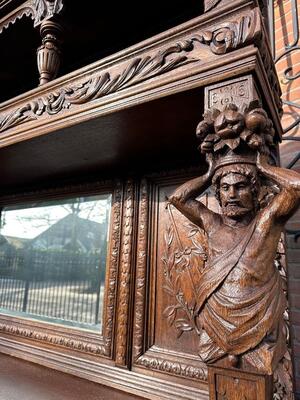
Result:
{"points": [[231, 35], [101, 85], [223, 38]]}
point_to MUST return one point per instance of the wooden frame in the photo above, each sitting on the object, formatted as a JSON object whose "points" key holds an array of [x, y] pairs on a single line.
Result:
{"points": [[86, 342], [147, 356]]}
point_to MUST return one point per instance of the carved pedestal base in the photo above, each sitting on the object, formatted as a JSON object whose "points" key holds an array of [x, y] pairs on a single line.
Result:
{"points": [[232, 384]]}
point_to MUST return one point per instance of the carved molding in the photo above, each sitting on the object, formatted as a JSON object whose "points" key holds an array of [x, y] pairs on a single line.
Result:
{"points": [[125, 275], [271, 73], [57, 340], [225, 37], [283, 375], [111, 285], [38, 10], [13, 17], [172, 367], [138, 70], [139, 311]]}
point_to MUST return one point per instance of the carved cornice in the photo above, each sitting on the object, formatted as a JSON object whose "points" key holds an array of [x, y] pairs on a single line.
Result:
{"points": [[38, 10], [172, 367], [48, 338], [221, 38], [227, 36], [125, 275], [139, 311], [105, 83]]}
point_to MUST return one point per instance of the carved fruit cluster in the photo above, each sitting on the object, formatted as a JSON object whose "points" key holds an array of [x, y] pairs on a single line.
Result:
{"points": [[234, 127]]}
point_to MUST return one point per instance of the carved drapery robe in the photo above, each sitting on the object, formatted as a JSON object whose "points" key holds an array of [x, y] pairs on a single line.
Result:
{"points": [[241, 302]]}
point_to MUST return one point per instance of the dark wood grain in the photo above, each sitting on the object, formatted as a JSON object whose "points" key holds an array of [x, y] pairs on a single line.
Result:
{"points": [[21, 379]]}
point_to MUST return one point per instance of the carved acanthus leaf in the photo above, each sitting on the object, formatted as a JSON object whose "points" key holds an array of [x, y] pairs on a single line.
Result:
{"points": [[101, 85], [45, 9]]}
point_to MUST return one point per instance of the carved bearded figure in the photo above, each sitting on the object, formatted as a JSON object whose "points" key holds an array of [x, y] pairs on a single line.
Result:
{"points": [[240, 300]]}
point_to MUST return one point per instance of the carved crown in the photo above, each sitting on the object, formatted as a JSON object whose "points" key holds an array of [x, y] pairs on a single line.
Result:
{"points": [[234, 135]]}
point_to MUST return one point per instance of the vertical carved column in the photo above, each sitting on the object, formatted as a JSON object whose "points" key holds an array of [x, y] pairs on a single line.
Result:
{"points": [[49, 54], [141, 271], [125, 276]]}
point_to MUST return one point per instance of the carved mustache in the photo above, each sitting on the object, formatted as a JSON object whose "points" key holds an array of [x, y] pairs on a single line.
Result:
{"points": [[232, 203]]}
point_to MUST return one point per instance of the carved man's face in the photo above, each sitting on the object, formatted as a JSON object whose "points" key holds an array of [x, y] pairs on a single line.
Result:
{"points": [[236, 195]]}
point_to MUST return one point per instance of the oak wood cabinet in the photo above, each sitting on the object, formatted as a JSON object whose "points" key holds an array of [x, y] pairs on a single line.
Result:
{"points": [[125, 124]]}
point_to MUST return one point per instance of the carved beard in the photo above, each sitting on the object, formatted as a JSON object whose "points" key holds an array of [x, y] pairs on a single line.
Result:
{"points": [[235, 211]]}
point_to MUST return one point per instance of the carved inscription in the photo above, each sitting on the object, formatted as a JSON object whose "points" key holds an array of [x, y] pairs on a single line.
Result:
{"points": [[240, 91]]}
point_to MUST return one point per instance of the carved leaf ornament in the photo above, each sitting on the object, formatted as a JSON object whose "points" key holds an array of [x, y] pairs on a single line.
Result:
{"points": [[225, 37], [182, 267]]}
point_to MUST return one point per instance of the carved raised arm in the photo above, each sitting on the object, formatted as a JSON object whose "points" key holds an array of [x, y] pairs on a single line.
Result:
{"points": [[286, 203], [184, 198]]}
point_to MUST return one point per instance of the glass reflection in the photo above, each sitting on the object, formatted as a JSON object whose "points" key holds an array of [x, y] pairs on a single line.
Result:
{"points": [[53, 260]]}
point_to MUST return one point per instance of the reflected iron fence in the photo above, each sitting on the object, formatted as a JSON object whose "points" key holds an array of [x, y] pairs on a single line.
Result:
{"points": [[57, 285]]}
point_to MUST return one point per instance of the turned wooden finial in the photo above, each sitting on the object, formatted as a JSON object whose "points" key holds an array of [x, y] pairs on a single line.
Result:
{"points": [[49, 54]]}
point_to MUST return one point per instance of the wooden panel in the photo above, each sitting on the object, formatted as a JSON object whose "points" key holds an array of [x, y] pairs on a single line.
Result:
{"points": [[159, 343], [237, 385]]}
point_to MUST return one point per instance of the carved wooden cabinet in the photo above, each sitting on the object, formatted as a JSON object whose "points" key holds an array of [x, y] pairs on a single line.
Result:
{"points": [[125, 125]]}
